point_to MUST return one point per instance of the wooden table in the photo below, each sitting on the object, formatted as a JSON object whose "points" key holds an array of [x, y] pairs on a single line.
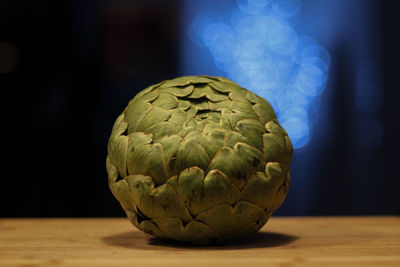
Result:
{"points": [[284, 241]]}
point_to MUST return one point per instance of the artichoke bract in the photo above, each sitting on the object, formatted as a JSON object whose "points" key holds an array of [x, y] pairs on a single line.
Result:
{"points": [[198, 159]]}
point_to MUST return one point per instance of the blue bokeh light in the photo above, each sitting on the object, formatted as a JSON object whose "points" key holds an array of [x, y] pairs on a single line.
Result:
{"points": [[286, 8], [252, 7], [256, 45]]}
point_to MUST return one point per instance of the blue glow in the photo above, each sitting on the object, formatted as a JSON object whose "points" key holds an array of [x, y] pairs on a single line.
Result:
{"points": [[198, 26], [299, 130], [283, 40], [256, 46], [252, 7], [259, 3], [286, 8]]}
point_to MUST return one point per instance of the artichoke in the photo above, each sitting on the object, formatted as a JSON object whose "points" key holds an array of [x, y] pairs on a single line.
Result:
{"points": [[198, 159]]}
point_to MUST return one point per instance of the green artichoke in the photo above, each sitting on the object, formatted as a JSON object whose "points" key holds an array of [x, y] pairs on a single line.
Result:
{"points": [[198, 159]]}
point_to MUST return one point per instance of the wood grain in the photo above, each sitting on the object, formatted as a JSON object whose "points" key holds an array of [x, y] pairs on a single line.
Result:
{"points": [[284, 241]]}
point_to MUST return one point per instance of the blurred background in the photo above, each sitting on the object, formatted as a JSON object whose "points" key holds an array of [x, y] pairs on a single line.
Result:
{"points": [[329, 68]]}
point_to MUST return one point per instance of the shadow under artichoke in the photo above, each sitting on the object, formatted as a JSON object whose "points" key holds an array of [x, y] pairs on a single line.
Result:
{"points": [[137, 240]]}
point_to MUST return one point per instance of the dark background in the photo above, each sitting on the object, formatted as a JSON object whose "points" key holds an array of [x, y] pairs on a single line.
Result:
{"points": [[68, 68]]}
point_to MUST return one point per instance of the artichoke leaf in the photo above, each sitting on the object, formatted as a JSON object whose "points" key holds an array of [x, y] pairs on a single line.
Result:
{"points": [[138, 139], [275, 144], [166, 101], [217, 189], [273, 148], [122, 193], [239, 96], [214, 95], [221, 79], [148, 159], [185, 80], [112, 171], [148, 97], [172, 227], [186, 130], [147, 90], [191, 111], [189, 186], [152, 229], [198, 92], [241, 107], [210, 143], [153, 116], [135, 113], [183, 104], [132, 216], [215, 139], [200, 105], [201, 193], [261, 189], [117, 151], [170, 147], [253, 98], [208, 92], [253, 130], [196, 136], [194, 231], [178, 118], [202, 123], [161, 129], [274, 170], [224, 87], [234, 118], [228, 220], [120, 189], [156, 202], [219, 106], [191, 153], [178, 91], [215, 116], [225, 119], [289, 147], [119, 127], [264, 112], [232, 138], [238, 163]]}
